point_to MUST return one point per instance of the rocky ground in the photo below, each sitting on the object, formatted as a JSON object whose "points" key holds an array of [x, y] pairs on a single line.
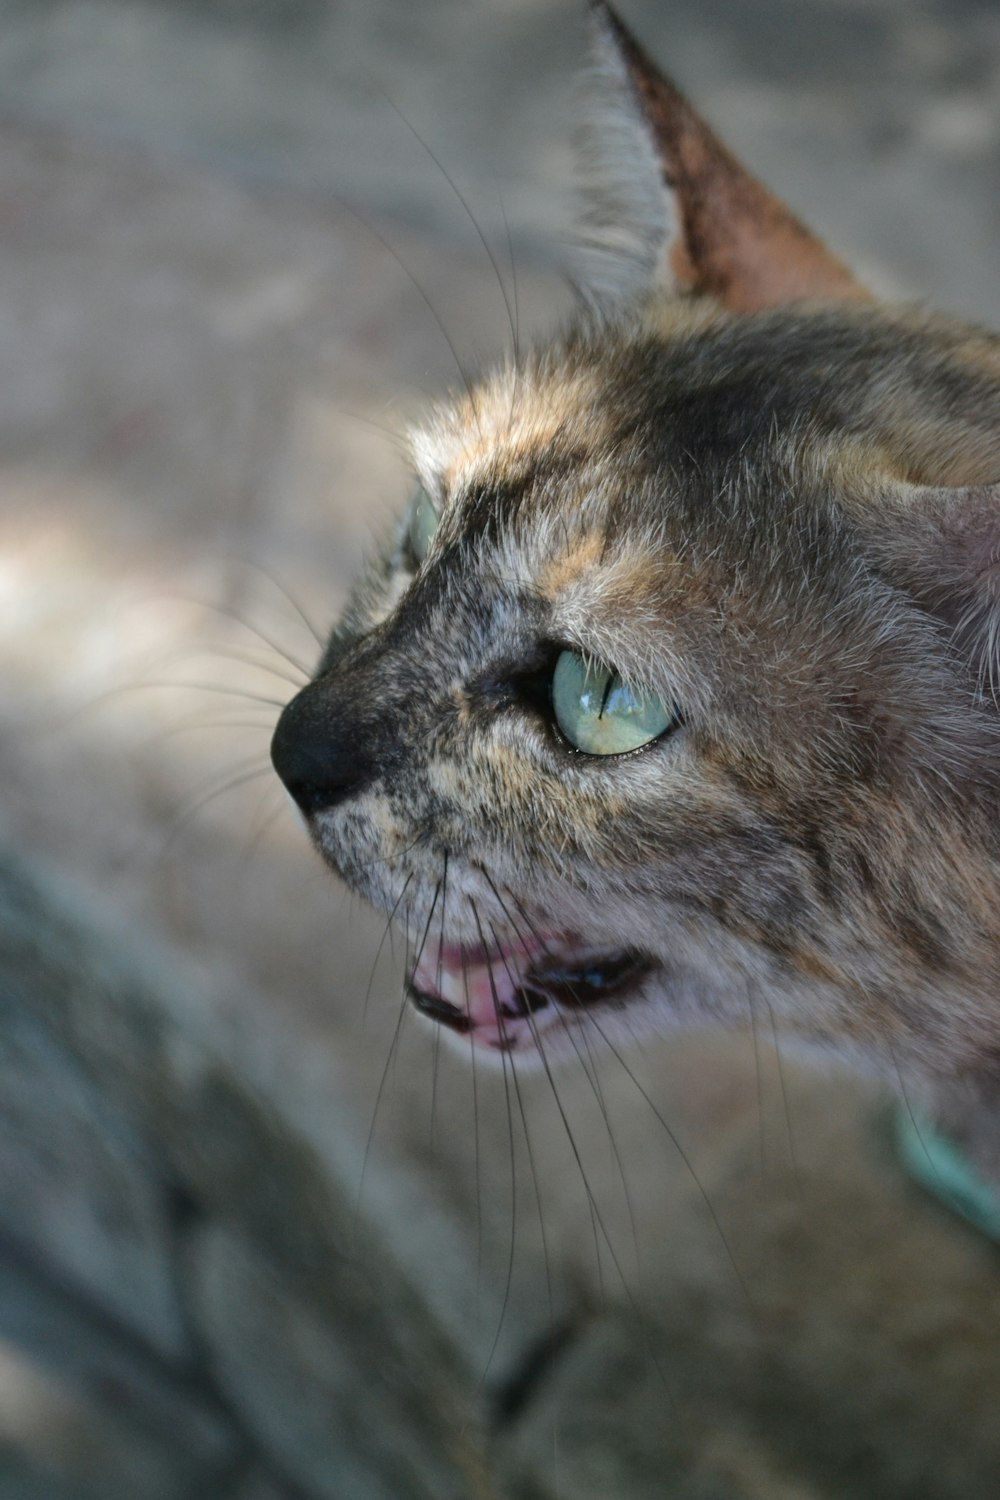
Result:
{"points": [[218, 243]]}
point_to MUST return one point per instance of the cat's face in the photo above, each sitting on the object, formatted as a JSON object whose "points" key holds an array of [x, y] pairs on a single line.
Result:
{"points": [[654, 708]]}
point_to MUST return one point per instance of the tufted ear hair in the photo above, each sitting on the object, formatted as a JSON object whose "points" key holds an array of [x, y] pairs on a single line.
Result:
{"points": [[942, 546], [667, 205]]}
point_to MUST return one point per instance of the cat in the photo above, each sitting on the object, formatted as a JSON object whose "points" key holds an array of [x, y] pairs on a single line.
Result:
{"points": [[676, 686]]}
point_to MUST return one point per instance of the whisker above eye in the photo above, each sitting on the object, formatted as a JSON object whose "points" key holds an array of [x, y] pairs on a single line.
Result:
{"points": [[390, 249], [468, 213], [514, 293]]}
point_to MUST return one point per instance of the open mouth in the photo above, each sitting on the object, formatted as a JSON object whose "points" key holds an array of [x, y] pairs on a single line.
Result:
{"points": [[505, 996]]}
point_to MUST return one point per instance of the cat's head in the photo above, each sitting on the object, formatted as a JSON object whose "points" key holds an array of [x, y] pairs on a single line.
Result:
{"points": [[672, 691]]}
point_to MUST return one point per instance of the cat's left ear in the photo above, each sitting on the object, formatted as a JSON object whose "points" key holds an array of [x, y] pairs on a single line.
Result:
{"points": [[669, 207]]}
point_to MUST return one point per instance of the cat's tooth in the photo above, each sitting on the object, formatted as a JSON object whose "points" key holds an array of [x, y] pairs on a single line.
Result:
{"points": [[491, 988], [451, 986]]}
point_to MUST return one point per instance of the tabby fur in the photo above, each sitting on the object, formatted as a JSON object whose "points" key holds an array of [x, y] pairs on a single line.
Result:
{"points": [[753, 489]]}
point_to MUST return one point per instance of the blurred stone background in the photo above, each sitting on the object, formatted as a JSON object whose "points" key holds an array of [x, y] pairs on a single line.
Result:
{"points": [[256, 1239]]}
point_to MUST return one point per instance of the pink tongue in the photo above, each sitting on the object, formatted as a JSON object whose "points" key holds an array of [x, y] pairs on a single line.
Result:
{"points": [[478, 984]]}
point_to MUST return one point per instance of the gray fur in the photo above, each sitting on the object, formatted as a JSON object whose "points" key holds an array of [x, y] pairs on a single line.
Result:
{"points": [[779, 520], [628, 218]]}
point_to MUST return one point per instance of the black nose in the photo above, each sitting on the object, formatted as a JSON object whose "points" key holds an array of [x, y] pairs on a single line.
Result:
{"points": [[321, 753]]}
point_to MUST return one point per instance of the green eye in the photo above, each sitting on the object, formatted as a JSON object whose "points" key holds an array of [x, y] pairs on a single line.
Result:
{"points": [[599, 713], [421, 524]]}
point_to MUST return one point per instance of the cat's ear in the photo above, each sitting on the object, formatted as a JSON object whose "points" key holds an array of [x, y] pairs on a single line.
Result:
{"points": [[667, 205]]}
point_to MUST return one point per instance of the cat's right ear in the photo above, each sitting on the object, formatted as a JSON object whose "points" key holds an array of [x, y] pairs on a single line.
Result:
{"points": [[668, 207]]}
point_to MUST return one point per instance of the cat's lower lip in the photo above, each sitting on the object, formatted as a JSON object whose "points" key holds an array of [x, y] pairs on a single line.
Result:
{"points": [[499, 995]]}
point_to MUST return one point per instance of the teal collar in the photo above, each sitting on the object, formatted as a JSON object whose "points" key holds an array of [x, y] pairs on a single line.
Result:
{"points": [[941, 1167]]}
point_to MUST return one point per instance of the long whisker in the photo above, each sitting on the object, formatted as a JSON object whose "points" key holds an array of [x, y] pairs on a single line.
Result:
{"points": [[195, 723], [588, 1194], [516, 369], [761, 1142], [286, 593], [513, 285], [378, 951], [468, 211], [232, 653], [435, 1064], [612, 1140], [404, 1004], [596, 1216], [636, 1309], [379, 1092], [591, 1073], [415, 964], [386, 859], [418, 287], [191, 687], [394, 436], [228, 613], [267, 823], [944, 1188], [537, 1192], [596, 1213], [444, 904], [437, 1029], [790, 1135], [64, 720], [530, 1152], [513, 1161], [231, 784], [671, 1135], [685, 1160], [475, 1130]]}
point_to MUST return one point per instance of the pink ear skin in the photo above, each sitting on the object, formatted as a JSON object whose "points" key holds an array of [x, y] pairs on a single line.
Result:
{"points": [[736, 242]]}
